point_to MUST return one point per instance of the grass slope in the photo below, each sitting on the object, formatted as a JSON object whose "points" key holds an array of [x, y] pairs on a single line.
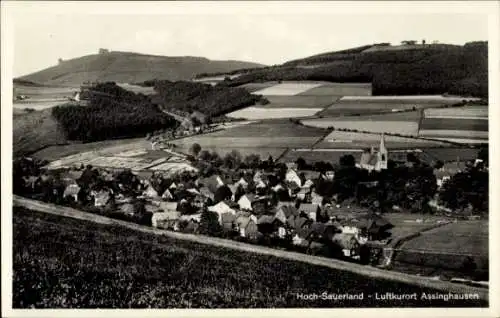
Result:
{"points": [[65, 263], [35, 130], [128, 67]]}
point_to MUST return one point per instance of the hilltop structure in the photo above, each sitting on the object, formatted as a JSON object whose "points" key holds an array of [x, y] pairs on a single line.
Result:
{"points": [[375, 160]]}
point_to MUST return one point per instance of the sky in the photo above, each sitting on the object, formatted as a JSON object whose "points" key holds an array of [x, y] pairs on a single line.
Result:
{"points": [[41, 36]]}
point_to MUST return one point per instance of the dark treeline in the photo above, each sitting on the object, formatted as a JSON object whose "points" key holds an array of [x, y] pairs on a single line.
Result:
{"points": [[209, 100], [113, 112], [440, 69]]}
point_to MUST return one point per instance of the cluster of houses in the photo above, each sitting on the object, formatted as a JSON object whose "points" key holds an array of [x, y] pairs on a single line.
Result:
{"points": [[247, 204]]}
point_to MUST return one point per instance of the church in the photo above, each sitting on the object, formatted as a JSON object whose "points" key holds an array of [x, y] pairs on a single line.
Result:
{"points": [[374, 160]]}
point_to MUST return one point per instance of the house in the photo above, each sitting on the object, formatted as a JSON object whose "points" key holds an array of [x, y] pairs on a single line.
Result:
{"points": [[310, 209], [247, 226], [168, 206], [308, 184], [72, 191], [127, 209], [304, 194], [191, 218], [101, 197], [348, 243], [296, 223], [330, 175], [278, 187], [260, 185], [150, 192], [173, 186], [221, 208], [167, 195], [246, 201], [317, 199], [268, 224], [205, 191], [285, 210], [242, 182], [212, 183], [293, 177], [166, 220], [227, 220]]}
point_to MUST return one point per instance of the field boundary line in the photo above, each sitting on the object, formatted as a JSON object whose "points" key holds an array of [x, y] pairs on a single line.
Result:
{"points": [[364, 270]]}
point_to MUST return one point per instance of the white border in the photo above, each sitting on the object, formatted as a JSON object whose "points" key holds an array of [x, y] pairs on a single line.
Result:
{"points": [[489, 8]]}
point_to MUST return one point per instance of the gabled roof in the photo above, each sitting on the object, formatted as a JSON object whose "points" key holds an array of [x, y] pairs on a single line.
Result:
{"points": [[309, 207], [250, 197], [266, 219], [288, 210], [206, 192], [243, 221], [72, 189]]}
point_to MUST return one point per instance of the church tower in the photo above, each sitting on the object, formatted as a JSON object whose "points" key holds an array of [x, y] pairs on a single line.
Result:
{"points": [[381, 155]]}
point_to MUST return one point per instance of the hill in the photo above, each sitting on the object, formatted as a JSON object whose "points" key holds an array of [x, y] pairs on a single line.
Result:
{"points": [[126, 67], [35, 130], [89, 265], [392, 70]]}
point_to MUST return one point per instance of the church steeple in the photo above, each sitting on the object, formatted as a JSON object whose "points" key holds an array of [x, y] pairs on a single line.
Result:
{"points": [[381, 155]]}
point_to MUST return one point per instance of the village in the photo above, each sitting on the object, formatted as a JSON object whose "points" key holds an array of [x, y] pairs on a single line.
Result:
{"points": [[271, 204]]}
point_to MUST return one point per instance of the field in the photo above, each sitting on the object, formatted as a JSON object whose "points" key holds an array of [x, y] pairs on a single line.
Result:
{"points": [[57, 152], [270, 134], [287, 89], [255, 113], [340, 89], [65, 263], [35, 130], [467, 112], [137, 89], [394, 127], [253, 87], [461, 246], [454, 124], [342, 139], [136, 159], [301, 101]]}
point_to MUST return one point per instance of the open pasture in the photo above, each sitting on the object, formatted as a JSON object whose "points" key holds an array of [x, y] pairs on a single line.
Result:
{"points": [[343, 139], [44, 92], [253, 87], [271, 134], [256, 113], [282, 128], [407, 99], [137, 89], [460, 246], [79, 262], [454, 134], [247, 142], [340, 89], [466, 112], [287, 89], [454, 124], [395, 127], [300, 101]]}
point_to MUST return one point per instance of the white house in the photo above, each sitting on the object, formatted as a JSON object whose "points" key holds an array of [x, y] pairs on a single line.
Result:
{"points": [[292, 176], [246, 201], [221, 208]]}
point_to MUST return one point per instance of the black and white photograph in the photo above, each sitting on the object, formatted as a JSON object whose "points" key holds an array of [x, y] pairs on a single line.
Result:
{"points": [[249, 155]]}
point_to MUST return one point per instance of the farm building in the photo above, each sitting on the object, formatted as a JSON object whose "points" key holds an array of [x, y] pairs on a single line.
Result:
{"points": [[293, 177], [285, 210], [309, 209]]}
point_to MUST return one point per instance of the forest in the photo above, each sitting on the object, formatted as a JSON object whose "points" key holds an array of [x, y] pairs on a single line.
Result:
{"points": [[112, 112], [439, 69], [209, 100]]}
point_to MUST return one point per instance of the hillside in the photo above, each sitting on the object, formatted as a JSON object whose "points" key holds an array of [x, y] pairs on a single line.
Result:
{"points": [[89, 265], [392, 70], [125, 67], [35, 130]]}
